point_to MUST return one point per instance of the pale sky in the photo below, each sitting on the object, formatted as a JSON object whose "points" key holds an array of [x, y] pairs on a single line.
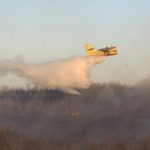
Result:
{"points": [[42, 30]]}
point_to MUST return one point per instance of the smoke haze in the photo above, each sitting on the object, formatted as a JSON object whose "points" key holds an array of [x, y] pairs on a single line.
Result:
{"points": [[66, 75], [103, 110]]}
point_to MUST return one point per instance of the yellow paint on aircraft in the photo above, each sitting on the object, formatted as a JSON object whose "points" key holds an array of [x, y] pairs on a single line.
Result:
{"points": [[107, 51]]}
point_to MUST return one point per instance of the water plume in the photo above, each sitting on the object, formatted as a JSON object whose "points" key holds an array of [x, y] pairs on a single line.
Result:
{"points": [[67, 75]]}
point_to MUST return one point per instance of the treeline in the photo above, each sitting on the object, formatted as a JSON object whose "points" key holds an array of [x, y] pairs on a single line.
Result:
{"points": [[104, 115]]}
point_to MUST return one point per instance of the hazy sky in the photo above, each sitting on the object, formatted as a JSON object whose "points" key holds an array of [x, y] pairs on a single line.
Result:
{"points": [[42, 30]]}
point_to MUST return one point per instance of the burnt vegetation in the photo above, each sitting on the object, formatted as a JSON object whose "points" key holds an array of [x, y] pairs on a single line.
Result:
{"points": [[104, 117]]}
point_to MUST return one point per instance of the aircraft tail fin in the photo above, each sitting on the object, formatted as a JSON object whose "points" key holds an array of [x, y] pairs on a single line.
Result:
{"points": [[88, 46]]}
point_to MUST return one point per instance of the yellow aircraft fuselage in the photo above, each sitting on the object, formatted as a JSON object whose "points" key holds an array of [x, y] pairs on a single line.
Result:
{"points": [[107, 51]]}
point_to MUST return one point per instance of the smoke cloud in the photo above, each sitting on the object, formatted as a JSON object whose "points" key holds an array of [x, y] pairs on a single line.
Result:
{"points": [[103, 111], [67, 75]]}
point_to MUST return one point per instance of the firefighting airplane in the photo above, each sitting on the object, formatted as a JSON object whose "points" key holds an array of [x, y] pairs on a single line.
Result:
{"points": [[107, 51]]}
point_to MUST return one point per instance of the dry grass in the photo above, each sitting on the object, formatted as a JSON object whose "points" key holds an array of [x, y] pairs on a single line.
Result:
{"points": [[11, 141]]}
